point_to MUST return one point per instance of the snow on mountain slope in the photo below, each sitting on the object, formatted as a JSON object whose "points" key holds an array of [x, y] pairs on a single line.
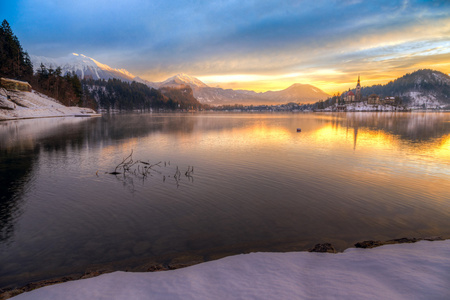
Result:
{"points": [[83, 66], [427, 100], [424, 89], [87, 67], [183, 79]]}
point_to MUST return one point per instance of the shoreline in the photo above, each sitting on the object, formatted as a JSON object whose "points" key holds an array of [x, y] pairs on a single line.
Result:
{"points": [[185, 260], [20, 105], [46, 117]]}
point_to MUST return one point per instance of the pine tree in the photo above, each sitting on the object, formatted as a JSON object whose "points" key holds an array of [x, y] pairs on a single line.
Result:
{"points": [[14, 62]]}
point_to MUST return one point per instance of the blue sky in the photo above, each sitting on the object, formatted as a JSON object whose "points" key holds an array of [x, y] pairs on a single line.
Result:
{"points": [[258, 45]]}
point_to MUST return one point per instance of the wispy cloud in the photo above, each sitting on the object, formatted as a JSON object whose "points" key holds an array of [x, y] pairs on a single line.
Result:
{"points": [[264, 40]]}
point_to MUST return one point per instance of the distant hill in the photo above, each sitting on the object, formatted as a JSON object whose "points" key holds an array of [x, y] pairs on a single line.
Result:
{"points": [[120, 95], [182, 95], [180, 80], [422, 88], [298, 93]]}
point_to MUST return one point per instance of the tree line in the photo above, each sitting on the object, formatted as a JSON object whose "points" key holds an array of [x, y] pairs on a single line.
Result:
{"points": [[421, 80], [15, 63], [109, 94], [119, 95]]}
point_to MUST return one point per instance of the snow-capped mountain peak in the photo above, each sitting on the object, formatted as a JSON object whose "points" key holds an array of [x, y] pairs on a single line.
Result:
{"points": [[182, 78], [84, 66]]}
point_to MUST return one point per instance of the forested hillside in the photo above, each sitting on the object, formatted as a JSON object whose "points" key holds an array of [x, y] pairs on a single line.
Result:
{"points": [[119, 95], [422, 89], [418, 87], [182, 96]]}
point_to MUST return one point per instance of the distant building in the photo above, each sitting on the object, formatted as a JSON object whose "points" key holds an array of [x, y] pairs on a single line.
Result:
{"points": [[341, 108], [349, 97], [358, 91], [373, 99], [352, 97], [389, 100]]}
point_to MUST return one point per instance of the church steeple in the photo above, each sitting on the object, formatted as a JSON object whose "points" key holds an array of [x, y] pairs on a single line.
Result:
{"points": [[358, 90]]}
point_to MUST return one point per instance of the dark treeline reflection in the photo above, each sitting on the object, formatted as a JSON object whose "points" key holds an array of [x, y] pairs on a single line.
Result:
{"points": [[15, 173]]}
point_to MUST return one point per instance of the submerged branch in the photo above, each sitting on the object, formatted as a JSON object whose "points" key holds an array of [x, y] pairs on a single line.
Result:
{"points": [[144, 169], [124, 162]]}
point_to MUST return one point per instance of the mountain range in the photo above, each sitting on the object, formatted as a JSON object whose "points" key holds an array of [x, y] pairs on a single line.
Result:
{"points": [[86, 67]]}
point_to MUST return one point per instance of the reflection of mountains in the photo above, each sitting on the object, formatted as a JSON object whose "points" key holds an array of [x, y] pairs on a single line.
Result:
{"points": [[413, 127]]}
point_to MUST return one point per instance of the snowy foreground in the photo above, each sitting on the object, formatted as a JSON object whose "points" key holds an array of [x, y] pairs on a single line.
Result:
{"points": [[402, 271], [23, 105]]}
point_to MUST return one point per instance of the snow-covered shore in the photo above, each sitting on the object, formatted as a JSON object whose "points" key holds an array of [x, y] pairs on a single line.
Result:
{"points": [[365, 107], [401, 271], [23, 105]]}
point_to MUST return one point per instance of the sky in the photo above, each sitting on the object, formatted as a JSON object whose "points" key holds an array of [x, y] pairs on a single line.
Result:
{"points": [[248, 44]]}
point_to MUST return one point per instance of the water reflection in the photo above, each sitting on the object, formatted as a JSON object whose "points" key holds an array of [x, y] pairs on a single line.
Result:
{"points": [[259, 185], [15, 178], [417, 133]]}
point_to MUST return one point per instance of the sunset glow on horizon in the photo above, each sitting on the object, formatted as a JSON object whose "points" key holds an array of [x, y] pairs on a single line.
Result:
{"points": [[253, 45]]}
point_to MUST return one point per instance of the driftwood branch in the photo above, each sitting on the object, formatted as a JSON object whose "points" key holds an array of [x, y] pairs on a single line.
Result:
{"points": [[143, 169], [124, 162]]}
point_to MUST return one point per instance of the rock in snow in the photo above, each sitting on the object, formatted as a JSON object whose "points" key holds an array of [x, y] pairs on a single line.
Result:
{"points": [[403, 271]]}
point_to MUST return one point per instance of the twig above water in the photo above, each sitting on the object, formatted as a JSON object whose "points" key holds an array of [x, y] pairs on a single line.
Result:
{"points": [[144, 169]]}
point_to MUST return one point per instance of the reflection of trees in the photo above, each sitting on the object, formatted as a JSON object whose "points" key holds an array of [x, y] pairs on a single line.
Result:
{"points": [[413, 127], [15, 172], [22, 141]]}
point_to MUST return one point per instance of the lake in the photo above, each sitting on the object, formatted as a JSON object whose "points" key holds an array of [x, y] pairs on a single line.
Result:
{"points": [[220, 184]]}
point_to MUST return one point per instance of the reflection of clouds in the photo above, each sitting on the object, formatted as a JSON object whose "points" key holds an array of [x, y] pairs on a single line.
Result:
{"points": [[443, 148]]}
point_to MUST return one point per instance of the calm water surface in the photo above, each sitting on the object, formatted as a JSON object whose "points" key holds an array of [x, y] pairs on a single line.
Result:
{"points": [[256, 185]]}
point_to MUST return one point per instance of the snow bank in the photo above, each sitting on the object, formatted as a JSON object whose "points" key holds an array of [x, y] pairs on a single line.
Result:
{"points": [[402, 271], [22, 105]]}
